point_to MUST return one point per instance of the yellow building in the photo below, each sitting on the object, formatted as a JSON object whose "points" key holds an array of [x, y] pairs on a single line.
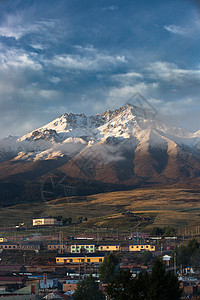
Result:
{"points": [[142, 247], [109, 247], [3, 239], [78, 258], [49, 221]]}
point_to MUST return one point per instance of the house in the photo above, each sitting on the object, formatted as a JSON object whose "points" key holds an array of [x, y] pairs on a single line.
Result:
{"points": [[46, 221], [3, 239], [10, 283], [58, 246], [80, 258], [20, 246], [70, 284], [141, 247], [9, 246], [109, 247], [30, 246], [85, 247]]}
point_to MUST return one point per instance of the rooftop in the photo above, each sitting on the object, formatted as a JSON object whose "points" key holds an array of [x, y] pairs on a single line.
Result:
{"points": [[81, 255]]}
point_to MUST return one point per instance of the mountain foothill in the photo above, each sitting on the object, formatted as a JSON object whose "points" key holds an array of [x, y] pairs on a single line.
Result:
{"points": [[115, 150]]}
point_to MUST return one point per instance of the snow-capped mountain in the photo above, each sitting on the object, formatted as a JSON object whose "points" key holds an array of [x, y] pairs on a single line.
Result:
{"points": [[120, 147]]}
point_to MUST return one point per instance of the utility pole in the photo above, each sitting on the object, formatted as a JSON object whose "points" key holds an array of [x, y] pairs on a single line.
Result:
{"points": [[24, 256], [175, 263], [61, 241]]}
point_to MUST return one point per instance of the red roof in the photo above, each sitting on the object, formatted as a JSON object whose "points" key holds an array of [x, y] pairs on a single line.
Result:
{"points": [[12, 278]]}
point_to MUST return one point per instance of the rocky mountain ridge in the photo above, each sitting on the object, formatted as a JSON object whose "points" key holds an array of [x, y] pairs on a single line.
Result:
{"points": [[120, 147]]}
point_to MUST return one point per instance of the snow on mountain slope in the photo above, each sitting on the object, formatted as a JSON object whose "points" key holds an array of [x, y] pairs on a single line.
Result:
{"points": [[71, 133]]}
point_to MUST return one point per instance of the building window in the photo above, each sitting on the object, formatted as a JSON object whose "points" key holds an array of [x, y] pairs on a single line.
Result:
{"points": [[88, 260], [87, 246], [137, 247], [107, 247], [71, 260], [132, 247], [101, 248], [100, 259], [82, 260], [142, 247]]}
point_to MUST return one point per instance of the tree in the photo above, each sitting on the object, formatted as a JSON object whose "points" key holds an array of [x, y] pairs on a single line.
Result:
{"points": [[182, 256], [88, 289], [159, 285], [122, 286], [108, 269], [169, 231], [141, 286], [67, 221], [162, 285], [79, 219], [146, 257], [157, 231], [192, 246], [195, 259]]}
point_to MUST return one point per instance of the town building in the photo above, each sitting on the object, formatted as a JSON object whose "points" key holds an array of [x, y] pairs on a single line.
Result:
{"points": [[20, 246], [141, 247], [59, 246], [3, 239], [9, 246], [86, 247], [80, 258], [30, 246], [109, 247], [70, 284], [47, 221]]}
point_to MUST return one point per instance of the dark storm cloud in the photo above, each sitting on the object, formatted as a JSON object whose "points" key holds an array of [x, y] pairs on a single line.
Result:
{"points": [[61, 56]]}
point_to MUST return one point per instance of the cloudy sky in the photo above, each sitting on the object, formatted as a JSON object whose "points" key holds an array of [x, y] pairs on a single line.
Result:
{"points": [[60, 56]]}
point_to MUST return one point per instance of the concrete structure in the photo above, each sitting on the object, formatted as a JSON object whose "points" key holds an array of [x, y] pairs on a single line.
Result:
{"points": [[48, 221], [86, 247], [10, 283], [20, 246], [3, 240], [30, 246], [58, 246], [109, 247], [141, 247], [70, 285], [15, 296], [166, 259], [9, 246], [48, 283], [80, 258]]}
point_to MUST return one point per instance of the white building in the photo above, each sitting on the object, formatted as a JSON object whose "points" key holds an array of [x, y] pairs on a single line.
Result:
{"points": [[48, 221]]}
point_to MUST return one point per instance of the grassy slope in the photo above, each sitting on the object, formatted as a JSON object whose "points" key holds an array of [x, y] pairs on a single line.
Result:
{"points": [[166, 206]]}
